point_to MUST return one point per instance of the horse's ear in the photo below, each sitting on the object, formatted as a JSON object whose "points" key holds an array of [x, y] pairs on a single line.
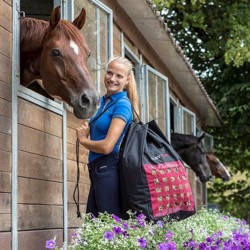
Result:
{"points": [[80, 20], [201, 137], [55, 17]]}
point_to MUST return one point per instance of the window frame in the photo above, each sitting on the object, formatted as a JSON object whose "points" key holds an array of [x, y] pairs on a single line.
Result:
{"points": [[147, 69], [193, 125], [100, 6]]}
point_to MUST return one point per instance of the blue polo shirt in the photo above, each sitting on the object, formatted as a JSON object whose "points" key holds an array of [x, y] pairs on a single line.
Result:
{"points": [[99, 128]]}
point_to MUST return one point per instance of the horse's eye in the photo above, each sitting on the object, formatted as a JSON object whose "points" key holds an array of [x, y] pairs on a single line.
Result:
{"points": [[56, 53], [89, 54]]}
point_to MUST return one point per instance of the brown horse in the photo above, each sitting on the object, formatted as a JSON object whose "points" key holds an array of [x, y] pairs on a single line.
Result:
{"points": [[191, 150], [217, 168], [55, 54]]}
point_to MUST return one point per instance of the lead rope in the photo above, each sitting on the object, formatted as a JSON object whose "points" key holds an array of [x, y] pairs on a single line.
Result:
{"points": [[76, 190]]}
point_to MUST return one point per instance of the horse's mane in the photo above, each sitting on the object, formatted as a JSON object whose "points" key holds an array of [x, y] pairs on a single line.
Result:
{"points": [[35, 30], [32, 29], [185, 139]]}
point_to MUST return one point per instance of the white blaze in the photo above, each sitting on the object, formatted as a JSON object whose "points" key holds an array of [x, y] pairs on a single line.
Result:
{"points": [[228, 174], [74, 46]]}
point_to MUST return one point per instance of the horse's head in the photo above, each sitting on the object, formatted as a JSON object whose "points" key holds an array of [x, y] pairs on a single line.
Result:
{"points": [[191, 150], [217, 168], [64, 69]]}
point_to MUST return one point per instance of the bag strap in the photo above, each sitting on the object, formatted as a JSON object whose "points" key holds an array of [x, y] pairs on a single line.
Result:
{"points": [[103, 111], [76, 190], [138, 117]]}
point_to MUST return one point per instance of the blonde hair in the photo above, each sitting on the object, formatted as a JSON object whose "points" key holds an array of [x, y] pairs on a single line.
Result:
{"points": [[131, 86]]}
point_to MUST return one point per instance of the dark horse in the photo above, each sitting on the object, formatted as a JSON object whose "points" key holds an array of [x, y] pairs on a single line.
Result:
{"points": [[217, 167], [191, 150], [55, 55]]}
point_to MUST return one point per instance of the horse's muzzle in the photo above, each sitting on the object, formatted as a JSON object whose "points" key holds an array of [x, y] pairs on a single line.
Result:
{"points": [[86, 104]]}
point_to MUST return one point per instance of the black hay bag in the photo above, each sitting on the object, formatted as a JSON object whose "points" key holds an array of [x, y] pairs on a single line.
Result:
{"points": [[153, 179]]}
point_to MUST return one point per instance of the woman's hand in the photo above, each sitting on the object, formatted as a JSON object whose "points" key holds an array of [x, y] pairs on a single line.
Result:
{"points": [[83, 132]]}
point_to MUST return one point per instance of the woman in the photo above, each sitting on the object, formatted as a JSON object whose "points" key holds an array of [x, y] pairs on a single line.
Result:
{"points": [[106, 134]]}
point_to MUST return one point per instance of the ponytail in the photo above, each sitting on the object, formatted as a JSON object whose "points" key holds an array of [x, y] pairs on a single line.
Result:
{"points": [[132, 93]]}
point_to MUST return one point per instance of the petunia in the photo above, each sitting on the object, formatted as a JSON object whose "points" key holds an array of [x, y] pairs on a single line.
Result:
{"points": [[50, 244], [142, 242], [160, 223], [209, 240], [117, 230], [125, 234], [167, 246], [169, 235], [192, 244], [202, 246], [108, 235], [125, 225], [141, 223], [163, 246], [116, 218], [141, 217]]}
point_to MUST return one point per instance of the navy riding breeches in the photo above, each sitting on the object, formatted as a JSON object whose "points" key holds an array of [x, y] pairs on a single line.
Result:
{"points": [[104, 195]]}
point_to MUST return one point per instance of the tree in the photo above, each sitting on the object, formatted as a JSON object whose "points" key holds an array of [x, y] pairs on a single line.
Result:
{"points": [[215, 37]]}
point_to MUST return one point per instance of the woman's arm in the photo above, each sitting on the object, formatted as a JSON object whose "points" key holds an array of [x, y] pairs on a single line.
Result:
{"points": [[103, 146]]}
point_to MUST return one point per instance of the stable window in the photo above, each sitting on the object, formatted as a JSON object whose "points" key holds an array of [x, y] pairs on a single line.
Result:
{"points": [[175, 116], [98, 31], [208, 143], [34, 92], [157, 97], [188, 122]]}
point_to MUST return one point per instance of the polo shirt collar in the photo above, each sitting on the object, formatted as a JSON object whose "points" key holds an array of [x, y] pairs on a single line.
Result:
{"points": [[116, 96]]}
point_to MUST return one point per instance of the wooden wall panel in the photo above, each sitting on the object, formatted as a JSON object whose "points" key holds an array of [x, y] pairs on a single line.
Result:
{"points": [[198, 195], [29, 192], [116, 40], [5, 91], [6, 43], [72, 172], [72, 121], [5, 108], [39, 143], [73, 221], [191, 178], [71, 153], [39, 167], [5, 69], [5, 161], [39, 118], [5, 239], [204, 193], [71, 136], [5, 182], [6, 15], [5, 203], [84, 191], [35, 240], [8, 2], [39, 217], [117, 46], [5, 144], [5, 125], [131, 45], [5, 222]]}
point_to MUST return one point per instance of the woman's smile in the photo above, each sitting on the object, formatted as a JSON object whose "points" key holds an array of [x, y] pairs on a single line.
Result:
{"points": [[116, 78]]}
